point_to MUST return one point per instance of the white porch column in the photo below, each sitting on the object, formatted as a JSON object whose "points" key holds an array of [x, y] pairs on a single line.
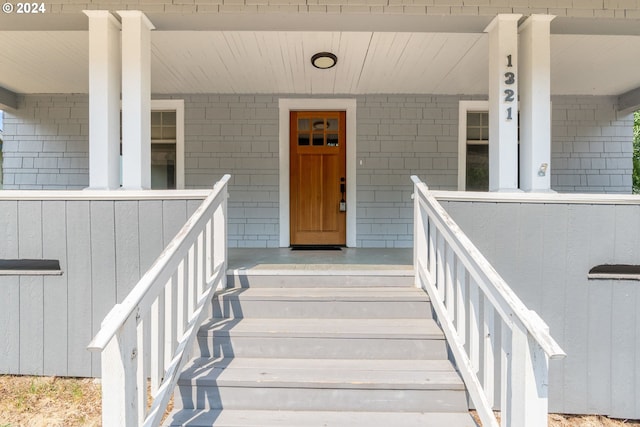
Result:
{"points": [[136, 99], [104, 100], [535, 103], [503, 102]]}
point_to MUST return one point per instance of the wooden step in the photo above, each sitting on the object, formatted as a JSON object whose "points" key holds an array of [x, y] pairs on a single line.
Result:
{"points": [[311, 384], [318, 276], [323, 338], [327, 302], [254, 418], [308, 349]]}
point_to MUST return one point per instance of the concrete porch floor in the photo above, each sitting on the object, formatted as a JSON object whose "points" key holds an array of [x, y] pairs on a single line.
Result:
{"points": [[284, 260]]}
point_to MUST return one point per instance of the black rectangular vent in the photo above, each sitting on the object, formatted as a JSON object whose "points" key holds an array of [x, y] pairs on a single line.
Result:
{"points": [[29, 266]]}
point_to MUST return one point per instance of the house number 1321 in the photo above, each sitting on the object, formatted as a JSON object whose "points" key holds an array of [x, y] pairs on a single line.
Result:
{"points": [[509, 94]]}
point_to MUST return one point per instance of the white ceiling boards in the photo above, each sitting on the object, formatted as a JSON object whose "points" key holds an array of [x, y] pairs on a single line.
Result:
{"points": [[280, 62]]}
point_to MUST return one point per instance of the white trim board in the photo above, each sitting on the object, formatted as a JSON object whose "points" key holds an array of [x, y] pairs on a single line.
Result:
{"points": [[546, 198], [108, 195], [322, 104]]}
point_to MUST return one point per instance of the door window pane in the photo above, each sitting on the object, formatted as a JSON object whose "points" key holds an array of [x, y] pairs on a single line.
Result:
{"points": [[318, 124], [477, 167], [303, 139], [477, 126], [163, 166], [303, 124], [332, 139]]}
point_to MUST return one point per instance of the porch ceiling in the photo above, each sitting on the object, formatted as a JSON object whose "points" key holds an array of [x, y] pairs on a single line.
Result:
{"points": [[279, 62]]}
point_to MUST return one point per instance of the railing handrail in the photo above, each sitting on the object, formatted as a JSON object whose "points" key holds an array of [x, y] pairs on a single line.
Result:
{"points": [[493, 284], [483, 320], [119, 314], [147, 339]]}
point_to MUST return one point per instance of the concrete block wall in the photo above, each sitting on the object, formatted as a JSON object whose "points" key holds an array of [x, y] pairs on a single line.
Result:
{"points": [[46, 143], [618, 9], [592, 146]]}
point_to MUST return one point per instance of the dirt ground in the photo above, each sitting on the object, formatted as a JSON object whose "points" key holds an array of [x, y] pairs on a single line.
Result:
{"points": [[49, 401], [69, 402], [560, 420]]}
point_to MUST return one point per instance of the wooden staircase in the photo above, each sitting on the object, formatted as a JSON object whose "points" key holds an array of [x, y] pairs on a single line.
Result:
{"points": [[321, 350]]}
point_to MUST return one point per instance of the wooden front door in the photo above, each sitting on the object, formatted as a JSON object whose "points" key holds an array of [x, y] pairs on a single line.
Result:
{"points": [[318, 178]]}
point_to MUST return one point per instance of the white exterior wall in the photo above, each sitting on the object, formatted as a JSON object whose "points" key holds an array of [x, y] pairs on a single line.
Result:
{"points": [[46, 147]]}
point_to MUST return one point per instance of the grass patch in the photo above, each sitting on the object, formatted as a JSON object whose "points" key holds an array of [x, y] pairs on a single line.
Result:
{"points": [[27, 401]]}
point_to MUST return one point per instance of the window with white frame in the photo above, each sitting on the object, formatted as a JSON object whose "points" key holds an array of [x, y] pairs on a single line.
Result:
{"points": [[473, 146], [167, 144], [163, 149], [477, 151]]}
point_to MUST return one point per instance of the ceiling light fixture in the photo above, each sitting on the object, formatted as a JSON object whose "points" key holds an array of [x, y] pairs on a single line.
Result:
{"points": [[324, 60]]}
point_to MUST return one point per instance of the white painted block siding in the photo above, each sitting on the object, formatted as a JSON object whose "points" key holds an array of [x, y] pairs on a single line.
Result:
{"points": [[591, 150], [399, 136], [46, 147], [620, 9], [46, 143]]}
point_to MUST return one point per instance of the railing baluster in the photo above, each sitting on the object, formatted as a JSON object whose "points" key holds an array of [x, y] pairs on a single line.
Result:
{"points": [[488, 333], [449, 298], [157, 343], [191, 282], [208, 244], [505, 375], [202, 266], [142, 377], [474, 325], [181, 299], [440, 247], [433, 237], [461, 296], [170, 320]]}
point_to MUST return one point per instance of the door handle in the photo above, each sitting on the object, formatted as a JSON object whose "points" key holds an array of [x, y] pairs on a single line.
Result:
{"points": [[343, 203]]}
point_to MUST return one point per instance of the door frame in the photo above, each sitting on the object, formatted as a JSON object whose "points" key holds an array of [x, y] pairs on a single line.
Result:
{"points": [[311, 104]]}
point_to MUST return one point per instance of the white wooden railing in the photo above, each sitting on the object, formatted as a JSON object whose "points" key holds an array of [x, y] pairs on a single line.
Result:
{"points": [[151, 333], [500, 347]]}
